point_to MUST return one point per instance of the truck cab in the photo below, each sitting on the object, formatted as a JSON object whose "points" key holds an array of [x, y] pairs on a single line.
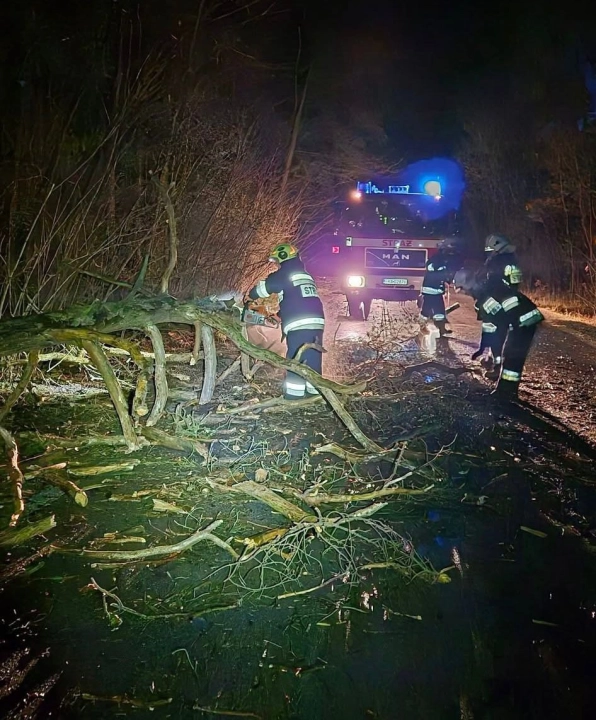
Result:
{"points": [[384, 237]]}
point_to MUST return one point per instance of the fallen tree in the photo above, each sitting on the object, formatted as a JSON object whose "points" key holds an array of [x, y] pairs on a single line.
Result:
{"points": [[95, 325], [98, 325]]}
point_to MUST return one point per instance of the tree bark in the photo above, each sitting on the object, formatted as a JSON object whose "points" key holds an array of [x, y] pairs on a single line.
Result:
{"points": [[210, 373], [188, 445], [105, 369], [159, 375], [194, 358], [244, 358], [25, 533]]}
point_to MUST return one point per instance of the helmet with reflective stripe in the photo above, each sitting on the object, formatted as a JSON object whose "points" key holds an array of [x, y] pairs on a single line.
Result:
{"points": [[281, 253], [497, 243]]}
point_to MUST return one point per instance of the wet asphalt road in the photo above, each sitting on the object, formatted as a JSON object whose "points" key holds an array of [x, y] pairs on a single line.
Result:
{"points": [[559, 378]]}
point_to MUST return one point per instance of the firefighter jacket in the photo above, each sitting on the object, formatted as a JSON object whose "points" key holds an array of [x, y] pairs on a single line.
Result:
{"points": [[300, 307], [436, 276], [500, 305], [504, 267]]}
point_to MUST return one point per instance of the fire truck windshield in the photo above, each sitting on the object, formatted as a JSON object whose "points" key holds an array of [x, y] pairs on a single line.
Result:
{"points": [[388, 217]]}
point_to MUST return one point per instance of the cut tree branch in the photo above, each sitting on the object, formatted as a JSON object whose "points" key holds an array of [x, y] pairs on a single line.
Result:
{"points": [[210, 372], [159, 551], [322, 498]]}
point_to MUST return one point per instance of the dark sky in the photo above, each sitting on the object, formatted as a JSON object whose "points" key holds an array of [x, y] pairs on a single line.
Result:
{"points": [[433, 60], [420, 64]]}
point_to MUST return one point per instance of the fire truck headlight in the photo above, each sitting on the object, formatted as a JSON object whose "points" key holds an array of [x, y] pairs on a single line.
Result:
{"points": [[356, 281]]}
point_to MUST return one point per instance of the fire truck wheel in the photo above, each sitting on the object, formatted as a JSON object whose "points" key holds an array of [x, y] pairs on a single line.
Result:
{"points": [[359, 309]]}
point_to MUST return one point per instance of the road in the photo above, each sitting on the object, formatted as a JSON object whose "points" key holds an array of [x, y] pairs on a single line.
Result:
{"points": [[559, 377]]}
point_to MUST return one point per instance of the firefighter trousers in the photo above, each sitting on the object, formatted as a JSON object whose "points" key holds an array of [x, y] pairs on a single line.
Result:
{"points": [[294, 385], [433, 307], [517, 346]]}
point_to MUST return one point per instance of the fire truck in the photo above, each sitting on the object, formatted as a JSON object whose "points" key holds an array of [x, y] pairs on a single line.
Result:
{"points": [[386, 232]]}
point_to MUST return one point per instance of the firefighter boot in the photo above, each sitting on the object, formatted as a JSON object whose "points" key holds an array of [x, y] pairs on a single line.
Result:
{"points": [[506, 391], [442, 329]]}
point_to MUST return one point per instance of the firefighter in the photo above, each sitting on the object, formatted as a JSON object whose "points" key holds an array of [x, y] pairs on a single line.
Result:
{"points": [[301, 314], [501, 261], [501, 265], [439, 271], [515, 318], [493, 334]]}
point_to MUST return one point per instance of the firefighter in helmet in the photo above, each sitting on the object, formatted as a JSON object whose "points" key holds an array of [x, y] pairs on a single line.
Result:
{"points": [[514, 318], [501, 266], [439, 272], [301, 314]]}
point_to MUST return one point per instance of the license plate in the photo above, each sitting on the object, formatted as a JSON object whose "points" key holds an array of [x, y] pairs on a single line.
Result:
{"points": [[395, 281]]}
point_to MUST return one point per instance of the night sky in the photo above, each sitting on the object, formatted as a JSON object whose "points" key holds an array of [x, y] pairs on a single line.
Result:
{"points": [[426, 63], [420, 66]]}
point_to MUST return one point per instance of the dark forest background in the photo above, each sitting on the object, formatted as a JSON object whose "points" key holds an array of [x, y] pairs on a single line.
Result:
{"points": [[244, 120]]}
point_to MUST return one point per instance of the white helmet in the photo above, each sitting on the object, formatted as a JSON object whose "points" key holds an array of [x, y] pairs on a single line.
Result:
{"points": [[496, 243]]}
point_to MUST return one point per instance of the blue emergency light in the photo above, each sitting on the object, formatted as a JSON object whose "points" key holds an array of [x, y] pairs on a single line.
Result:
{"points": [[432, 188], [435, 186]]}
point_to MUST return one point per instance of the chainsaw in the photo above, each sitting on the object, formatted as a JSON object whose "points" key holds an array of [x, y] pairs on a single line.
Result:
{"points": [[252, 315]]}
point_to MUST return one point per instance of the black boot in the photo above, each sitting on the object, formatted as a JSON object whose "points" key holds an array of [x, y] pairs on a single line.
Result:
{"points": [[506, 391], [442, 329]]}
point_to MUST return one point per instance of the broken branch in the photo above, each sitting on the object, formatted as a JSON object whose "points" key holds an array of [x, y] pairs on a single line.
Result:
{"points": [[210, 372], [196, 349], [158, 551], [322, 498], [175, 443], [173, 232], [349, 421], [275, 502], [59, 479], [23, 534]]}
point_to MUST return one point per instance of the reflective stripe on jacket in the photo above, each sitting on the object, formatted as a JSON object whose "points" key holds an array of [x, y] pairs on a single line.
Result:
{"points": [[300, 307], [502, 305], [504, 267]]}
